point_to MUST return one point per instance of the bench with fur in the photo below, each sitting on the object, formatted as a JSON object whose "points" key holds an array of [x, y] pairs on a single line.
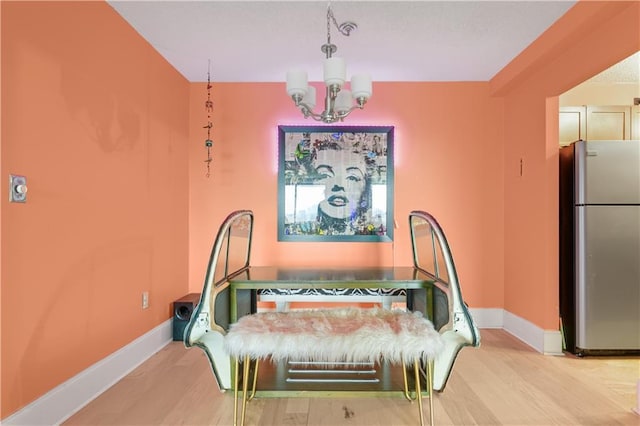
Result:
{"points": [[335, 335]]}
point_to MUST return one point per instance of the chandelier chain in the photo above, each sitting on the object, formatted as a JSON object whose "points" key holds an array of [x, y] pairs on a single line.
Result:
{"points": [[329, 17], [345, 28]]}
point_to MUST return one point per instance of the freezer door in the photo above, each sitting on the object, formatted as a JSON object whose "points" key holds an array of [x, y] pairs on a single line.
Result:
{"points": [[608, 277], [607, 172]]}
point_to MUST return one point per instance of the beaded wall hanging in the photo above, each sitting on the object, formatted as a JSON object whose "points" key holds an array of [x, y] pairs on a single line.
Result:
{"points": [[209, 108]]}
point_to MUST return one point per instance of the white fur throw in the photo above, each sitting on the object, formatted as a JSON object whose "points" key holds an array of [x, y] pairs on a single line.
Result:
{"points": [[335, 335]]}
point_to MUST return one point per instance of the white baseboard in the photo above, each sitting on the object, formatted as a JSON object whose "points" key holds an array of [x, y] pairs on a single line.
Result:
{"points": [[488, 317], [548, 342], [66, 399]]}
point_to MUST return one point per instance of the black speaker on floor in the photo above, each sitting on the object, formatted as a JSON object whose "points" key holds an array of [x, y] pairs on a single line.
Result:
{"points": [[182, 310]]}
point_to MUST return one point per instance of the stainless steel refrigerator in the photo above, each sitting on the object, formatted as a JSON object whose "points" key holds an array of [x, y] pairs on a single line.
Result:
{"points": [[600, 247]]}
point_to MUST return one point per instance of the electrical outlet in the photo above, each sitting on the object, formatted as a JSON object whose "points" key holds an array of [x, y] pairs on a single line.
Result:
{"points": [[145, 299]]}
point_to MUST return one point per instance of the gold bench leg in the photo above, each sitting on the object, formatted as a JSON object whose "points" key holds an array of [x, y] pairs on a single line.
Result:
{"points": [[245, 387], [416, 371], [255, 380], [235, 393], [430, 388], [407, 395]]}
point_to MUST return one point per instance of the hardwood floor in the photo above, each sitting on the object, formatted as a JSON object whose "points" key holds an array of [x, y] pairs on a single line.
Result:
{"points": [[504, 382]]}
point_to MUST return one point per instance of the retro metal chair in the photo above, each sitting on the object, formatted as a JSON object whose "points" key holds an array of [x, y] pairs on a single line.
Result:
{"points": [[442, 302]]}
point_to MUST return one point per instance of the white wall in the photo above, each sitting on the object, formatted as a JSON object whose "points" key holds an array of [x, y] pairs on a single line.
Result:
{"points": [[617, 85], [593, 93]]}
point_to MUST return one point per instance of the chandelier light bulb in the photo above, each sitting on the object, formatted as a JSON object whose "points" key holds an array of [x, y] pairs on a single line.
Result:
{"points": [[344, 102], [297, 83], [361, 86], [310, 98], [335, 71]]}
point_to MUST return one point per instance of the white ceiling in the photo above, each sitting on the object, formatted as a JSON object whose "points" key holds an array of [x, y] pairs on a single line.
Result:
{"points": [[625, 71], [258, 41]]}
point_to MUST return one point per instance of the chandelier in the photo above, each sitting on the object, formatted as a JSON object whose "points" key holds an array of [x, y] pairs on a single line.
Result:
{"points": [[339, 101]]}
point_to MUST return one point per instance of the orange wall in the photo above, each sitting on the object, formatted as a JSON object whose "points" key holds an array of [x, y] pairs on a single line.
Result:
{"points": [[448, 146], [98, 122], [591, 37]]}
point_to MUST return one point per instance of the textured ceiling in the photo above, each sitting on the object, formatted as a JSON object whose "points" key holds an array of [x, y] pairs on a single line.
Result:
{"points": [[258, 41], [626, 71]]}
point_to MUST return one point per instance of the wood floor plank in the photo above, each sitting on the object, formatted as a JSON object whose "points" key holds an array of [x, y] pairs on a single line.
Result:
{"points": [[504, 382]]}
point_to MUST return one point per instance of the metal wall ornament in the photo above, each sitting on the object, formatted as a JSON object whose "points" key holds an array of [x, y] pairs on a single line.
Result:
{"points": [[208, 143]]}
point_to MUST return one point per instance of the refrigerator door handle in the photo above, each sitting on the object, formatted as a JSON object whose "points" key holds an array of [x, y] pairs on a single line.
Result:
{"points": [[580, 272], [580, 172]]}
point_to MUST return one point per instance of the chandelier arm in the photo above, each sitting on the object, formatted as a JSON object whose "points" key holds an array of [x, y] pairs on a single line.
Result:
{"points": [[308, 112], [342, 115], [331, 116]]}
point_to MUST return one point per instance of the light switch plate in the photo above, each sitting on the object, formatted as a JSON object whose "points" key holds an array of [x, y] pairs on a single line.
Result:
{"points": [[17, 189], [145, 299]]}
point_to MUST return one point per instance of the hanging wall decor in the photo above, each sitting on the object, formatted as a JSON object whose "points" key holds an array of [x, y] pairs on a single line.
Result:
{"points": [[209, 108], [335, 183]]}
